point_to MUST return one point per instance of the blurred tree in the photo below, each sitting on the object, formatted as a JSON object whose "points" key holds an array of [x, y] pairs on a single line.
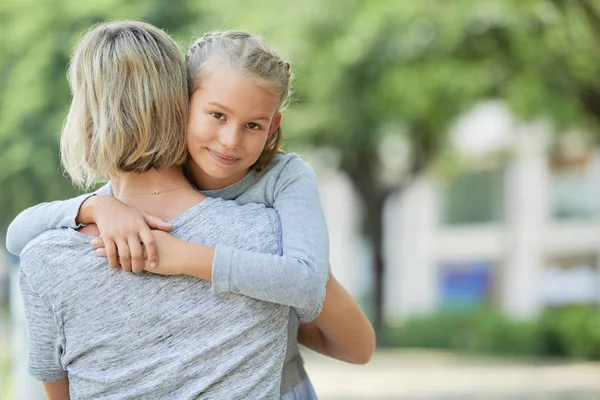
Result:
{"points": [[379, 81], [384, 80], [34, 94]]}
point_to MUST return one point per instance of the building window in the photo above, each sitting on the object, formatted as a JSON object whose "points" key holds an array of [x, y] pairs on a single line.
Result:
{"points": [[569, 280], [474, 198], [572, 194]]}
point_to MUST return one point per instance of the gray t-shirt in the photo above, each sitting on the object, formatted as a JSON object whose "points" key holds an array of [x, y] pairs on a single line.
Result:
{"points": [[297, 278], [132, 336]]}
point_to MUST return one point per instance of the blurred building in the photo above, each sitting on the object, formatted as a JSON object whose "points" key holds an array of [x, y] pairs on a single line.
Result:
{"points": [[521, 233], [518, 229]]}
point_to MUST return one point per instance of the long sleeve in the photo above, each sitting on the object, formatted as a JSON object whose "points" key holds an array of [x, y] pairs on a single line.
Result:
{"points": [[44, 342], [298, 276], [35, 220]]}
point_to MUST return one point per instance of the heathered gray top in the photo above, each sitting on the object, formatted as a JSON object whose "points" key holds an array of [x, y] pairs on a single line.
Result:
{"points": [[129, 336], [296, 279]]}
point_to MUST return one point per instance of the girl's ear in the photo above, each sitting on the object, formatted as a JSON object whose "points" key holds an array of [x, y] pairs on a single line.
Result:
{"points": [[275, 123]]}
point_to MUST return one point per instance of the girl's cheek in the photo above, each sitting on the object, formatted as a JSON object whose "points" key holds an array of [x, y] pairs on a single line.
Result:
{"points": [[199, 124], [207, 121]]}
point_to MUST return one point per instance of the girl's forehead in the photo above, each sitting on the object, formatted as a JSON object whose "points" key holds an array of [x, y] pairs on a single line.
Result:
{"points": [[229, 87], [220, 73]]}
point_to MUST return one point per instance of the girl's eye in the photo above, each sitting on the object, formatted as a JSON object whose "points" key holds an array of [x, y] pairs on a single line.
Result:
{"points": [[217, 115], [253, 126]]}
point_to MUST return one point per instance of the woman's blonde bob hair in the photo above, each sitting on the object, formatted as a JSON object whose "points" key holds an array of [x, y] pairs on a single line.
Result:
{"points": [[129, 106]]}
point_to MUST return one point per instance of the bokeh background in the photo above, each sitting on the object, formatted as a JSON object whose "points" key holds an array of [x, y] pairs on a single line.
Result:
{"points": [[457, 145]]}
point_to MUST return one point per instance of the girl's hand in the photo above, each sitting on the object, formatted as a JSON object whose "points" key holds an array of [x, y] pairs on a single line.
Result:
{"points": [[123, 231], [172, 252]]}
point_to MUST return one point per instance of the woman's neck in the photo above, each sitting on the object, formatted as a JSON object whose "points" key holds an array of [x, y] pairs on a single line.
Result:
{"points": [[165, 193], [146, 183]]}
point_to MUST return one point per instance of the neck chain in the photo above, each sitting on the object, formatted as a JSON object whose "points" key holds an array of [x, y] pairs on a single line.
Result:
{"points": [[155, 192]]}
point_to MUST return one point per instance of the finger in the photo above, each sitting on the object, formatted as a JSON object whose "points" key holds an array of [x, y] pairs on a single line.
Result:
{"points": [[124, 255], [137, 255], [101, 252], [111, 253], [149, 243], [157, 223], [147, 266], [98, 243]]}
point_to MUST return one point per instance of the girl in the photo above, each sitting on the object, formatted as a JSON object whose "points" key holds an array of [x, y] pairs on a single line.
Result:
{"points": [[238, 88]]}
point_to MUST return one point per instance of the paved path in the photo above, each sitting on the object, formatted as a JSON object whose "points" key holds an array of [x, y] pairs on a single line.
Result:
{"points": [[402, 374]]}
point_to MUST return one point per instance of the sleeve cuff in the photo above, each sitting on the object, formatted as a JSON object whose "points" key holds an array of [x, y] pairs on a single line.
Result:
{"points": [[306, 315], [44, 375], [221, 269], [72, 206], [309, 315]]}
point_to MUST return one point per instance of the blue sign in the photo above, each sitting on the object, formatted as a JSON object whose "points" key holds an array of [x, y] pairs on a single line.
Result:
{"points": [[465, 286]]}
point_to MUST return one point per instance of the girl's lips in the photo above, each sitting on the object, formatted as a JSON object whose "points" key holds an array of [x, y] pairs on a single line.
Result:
{"points": [[223, 159]]}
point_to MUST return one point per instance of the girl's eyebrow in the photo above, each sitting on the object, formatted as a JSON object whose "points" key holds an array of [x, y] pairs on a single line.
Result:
{"points": [[217, 104]]}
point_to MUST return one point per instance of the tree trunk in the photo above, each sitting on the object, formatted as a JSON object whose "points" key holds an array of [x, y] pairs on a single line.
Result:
{"points": [[363, 170], [374, 224], [373, 195], [590, 98]]}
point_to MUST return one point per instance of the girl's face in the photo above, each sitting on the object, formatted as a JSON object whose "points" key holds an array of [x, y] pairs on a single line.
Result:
{"points": [[230, 119]]}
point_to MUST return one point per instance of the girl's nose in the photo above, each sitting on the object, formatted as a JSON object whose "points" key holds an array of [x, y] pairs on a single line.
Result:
{"points": [[229, 137]]}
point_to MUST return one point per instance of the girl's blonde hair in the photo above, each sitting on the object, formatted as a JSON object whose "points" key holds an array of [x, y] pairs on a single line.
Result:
{"points": [[252, 57], [129, 106]]}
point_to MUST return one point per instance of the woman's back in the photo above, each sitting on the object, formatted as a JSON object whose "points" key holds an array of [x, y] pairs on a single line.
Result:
{"points": [[145, 335]]}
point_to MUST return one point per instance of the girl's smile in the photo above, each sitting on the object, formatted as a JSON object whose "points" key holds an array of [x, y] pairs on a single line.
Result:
{"points": [[222, 158]]}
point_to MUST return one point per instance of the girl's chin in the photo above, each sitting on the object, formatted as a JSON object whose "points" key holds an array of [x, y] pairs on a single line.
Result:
{"points": [[228, 177]]}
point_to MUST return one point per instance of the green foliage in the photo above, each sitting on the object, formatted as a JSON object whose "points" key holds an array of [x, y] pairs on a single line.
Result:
{"points": [[366, 70], [418, 65], [567, 332], [574, 332], [6, 381], [34, 93]]}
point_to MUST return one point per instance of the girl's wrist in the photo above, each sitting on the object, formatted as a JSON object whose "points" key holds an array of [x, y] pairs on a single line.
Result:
{"points": [[197, 260], [89, 208], [87, 211]]}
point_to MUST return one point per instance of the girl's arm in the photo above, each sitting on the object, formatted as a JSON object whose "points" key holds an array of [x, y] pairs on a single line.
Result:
{"points": [[342, 330], [58, 390], [36, 220], [295, 278], [81, 210]]}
